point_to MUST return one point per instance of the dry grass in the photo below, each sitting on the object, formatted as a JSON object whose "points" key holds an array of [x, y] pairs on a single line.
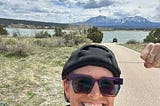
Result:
{"points": [[34, 80], [137, 47]]}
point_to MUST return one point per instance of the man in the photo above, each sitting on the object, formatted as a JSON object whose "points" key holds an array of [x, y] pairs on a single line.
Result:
{"points": [[91, 77], [151, 55]]}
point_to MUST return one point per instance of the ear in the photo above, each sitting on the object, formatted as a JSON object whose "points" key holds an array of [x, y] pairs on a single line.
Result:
{"points": [[66, 87]]}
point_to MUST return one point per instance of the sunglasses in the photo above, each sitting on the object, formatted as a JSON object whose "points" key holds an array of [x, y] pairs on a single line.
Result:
{"points": [[109, 86]]}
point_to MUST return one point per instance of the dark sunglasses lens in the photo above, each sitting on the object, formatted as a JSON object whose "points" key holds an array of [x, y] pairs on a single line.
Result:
{"points": [[82, 84], [107, 87]]}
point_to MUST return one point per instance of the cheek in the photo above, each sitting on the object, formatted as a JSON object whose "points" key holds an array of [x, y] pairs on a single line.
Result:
{"points": [[110, 101], [74, 97]]}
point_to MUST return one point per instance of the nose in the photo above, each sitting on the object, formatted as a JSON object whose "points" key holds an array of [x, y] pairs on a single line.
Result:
{"points": [[95, 92]]}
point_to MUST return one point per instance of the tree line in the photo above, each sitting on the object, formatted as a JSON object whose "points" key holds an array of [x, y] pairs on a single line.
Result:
{"points": [[92, 33]]}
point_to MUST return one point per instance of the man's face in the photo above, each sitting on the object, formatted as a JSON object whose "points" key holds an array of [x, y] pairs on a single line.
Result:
{"points": [[94, 98]]}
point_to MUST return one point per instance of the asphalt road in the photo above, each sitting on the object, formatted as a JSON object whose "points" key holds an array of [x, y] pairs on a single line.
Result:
{"points": [[141, 85]]}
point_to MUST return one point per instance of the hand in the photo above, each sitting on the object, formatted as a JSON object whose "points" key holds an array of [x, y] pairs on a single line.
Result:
{"points": [[151, 55]]}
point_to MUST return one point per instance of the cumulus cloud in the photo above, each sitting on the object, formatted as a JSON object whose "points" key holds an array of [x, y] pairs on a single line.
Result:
{"points": [[120, 15], [156, 16], [158, 13], [86, 4], [78, 10], [97, 4], [1, 3]]}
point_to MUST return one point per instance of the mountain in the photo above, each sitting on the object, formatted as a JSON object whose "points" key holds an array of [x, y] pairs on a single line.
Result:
{"points": [[99, 21], [127, 22], [26, 23]]}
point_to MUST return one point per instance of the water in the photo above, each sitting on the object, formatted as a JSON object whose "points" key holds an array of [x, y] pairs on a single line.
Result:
{"points": [[122, 35], [27, 32]]}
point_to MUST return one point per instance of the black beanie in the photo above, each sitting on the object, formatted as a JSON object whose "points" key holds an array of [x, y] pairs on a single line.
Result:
{"points": [[96, 55]]}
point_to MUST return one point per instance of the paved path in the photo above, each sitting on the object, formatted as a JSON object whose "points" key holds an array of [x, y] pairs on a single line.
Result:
{"points": [[141, 85]]}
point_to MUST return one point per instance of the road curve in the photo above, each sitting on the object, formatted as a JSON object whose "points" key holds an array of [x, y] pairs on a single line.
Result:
{"points": [[141, 85]]}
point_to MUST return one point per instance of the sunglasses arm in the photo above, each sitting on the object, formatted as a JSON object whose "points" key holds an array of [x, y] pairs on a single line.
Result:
{"points": [[118, 81]]}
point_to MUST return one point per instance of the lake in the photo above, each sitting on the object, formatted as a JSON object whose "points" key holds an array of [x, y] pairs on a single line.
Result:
{"points": [[122, 35]]}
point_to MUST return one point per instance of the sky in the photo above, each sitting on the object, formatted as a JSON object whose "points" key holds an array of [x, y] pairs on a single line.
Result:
{"points": [[70, 11]]}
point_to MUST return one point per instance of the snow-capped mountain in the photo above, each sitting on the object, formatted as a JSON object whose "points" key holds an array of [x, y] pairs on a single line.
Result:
{"points": [[127, 22], [136, 19]]}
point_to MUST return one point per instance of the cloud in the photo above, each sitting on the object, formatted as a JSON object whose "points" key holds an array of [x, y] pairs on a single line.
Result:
{"points": [[96, 4], [120, 15], [1, 3], [64, 3], [156, 15], [86, 4], [78, 10], [38, 10]]}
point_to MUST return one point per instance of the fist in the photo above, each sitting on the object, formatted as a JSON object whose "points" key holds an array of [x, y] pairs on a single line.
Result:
{"points": [[151, 55]]}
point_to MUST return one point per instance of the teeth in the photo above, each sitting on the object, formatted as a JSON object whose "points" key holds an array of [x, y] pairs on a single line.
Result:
{"points": [[89, 104]]}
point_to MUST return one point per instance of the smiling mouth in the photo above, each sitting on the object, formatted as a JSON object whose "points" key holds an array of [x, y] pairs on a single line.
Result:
{"points": [[90, 104]]}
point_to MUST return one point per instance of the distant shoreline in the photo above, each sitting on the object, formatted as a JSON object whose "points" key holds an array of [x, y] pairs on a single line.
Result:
{"points": [[102, 29]]}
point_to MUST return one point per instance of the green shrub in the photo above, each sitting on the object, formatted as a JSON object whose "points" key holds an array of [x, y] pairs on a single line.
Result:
{"points": [[45, 42], [38, 42], [95, 34], [3, 31], [21, 49], [61, 42], [69, 40], [58, 32], [10, 41], [132, 42], [154, 36], [13, 47], [72, 40], [82, 39], [1, 39], [3, 47], [42, 34], [16, 34], [70, 43]]}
